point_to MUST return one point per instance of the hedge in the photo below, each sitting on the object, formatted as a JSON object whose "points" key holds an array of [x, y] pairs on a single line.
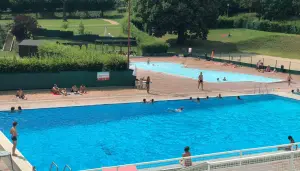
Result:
{"points": [[93, 37], [147, 44], [256, 24], [53, 33], [56, 58]]}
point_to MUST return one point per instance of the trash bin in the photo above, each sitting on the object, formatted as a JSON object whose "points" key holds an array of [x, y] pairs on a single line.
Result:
{"points": [[282, 68]]}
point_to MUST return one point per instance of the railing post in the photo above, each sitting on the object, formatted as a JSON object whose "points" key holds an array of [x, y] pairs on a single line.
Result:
{"points": [[241, 156], [208, 167], [292, 161]]}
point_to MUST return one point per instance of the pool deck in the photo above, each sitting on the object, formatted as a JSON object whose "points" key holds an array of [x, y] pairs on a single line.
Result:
{"points": [[163, 87]]}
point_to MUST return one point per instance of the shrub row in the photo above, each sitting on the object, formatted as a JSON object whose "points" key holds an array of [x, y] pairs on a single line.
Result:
{"points": [[108, 40], [53, 33], [56, 58], [147, 44], [256, 24]]}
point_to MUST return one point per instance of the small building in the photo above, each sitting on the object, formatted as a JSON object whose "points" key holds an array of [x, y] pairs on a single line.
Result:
{"points": [[28, 48]]}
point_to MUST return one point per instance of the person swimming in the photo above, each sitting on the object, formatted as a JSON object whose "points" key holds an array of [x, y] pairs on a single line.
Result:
{"points": [[219, 96], [176, 110], [218, 79], [12, 110], [207, 97], [224, 79], [239, 98], [198, 99]]}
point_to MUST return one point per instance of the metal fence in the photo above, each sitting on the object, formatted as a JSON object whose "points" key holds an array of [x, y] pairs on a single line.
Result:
{"points": [[249, 58], [216, 160]]}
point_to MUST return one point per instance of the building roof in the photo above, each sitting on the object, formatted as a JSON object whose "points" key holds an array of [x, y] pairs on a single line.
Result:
{"points": [[30, 42]]}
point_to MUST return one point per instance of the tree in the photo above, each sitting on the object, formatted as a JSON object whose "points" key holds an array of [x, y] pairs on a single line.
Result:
{"points": [[23, 27], [276, 9], [252, 5], [188, 17]]}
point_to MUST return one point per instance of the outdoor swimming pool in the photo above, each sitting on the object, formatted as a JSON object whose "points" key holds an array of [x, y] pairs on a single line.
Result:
{"points": [[104, 135], [209, 75]]}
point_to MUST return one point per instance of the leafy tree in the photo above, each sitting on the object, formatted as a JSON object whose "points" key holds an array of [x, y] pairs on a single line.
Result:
{"points": [[23, 27], [276, 9], [252, 5], [81, 28], [188, 17]]}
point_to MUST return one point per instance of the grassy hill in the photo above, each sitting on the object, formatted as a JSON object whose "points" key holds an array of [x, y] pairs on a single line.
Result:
{"points": [[244, 40]]}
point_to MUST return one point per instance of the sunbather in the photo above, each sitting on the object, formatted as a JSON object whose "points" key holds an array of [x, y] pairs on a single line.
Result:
{"points": [[20, 94], [55, 90], [82, 89], [74, 89]]}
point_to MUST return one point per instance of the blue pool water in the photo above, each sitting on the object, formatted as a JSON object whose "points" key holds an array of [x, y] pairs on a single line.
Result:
{"points": [[104, 135], [209, 75]]}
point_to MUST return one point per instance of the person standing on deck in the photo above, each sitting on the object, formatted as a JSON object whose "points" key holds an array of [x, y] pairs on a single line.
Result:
{"points": [[200, 81], [289, 79], [148, 81], [14, 134]]}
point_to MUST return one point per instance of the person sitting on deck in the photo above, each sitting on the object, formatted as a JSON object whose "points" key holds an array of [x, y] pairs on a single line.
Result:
{"points": [[20, 94], [82, 89], [268, 69], [74, 89], [55, 90], [186, 161], [290, 147]]}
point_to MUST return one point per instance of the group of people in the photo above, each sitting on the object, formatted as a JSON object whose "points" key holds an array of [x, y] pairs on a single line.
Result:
{"points": [[146, 81], [63, 91], [224, 79], [13, 109], [260, 67], [186, 160]]}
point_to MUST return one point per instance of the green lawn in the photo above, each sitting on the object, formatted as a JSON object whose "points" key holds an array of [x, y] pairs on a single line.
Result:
{"points": [[93, 26], [243, 40]]}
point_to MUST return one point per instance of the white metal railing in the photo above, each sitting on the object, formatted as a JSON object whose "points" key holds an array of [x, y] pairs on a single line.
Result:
{"points": [[67, 167], [171, 163], [53, 164]]}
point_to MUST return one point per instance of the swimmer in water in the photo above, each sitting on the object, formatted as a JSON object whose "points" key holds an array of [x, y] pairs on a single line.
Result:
{"points": [[224, 79], [148, 61], [239, 98], [176, 110], [207, 97], [219, 96]]}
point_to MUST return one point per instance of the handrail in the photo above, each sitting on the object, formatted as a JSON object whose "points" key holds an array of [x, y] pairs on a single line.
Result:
{"points": [[67, 166], [241, 155], [252, 157], [54, 165]]}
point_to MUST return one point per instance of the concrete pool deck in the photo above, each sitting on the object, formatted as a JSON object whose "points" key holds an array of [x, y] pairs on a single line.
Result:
{"points": [[163, 87]]}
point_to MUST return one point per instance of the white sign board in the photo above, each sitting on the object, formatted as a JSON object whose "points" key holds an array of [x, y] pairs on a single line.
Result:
{"points": [[102, 76]]}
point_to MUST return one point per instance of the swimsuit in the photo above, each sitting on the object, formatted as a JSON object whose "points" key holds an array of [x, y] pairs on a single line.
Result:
{"points": [[14, 138]]}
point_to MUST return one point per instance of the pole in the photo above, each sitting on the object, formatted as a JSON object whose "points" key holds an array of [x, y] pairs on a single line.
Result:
{"points": [[290, 67], [128, 54], [276, 64]]}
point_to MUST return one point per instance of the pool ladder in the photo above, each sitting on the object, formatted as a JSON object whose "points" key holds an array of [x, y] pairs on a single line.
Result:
{"points": [[260, 89], [57, 168]]}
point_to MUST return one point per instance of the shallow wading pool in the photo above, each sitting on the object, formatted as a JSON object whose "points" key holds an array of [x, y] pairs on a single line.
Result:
{"points": [[209, 75]]}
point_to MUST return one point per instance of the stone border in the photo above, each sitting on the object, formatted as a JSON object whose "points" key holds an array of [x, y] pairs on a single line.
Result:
{"points": [[19, 162]]}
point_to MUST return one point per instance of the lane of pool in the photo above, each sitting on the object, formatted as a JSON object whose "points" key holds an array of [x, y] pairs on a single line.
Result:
{"points": [[209, 75], [105, 135]]}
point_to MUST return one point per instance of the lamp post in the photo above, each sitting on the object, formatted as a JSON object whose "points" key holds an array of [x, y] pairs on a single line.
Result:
{"points": [[228, 9], [128, 54]]}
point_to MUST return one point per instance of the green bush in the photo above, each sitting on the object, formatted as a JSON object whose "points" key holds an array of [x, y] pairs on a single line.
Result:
{"points": [[147, 44], [65, 25], [81, 28], [53, 33], [122, 9], [251, 22], [56, 58]]}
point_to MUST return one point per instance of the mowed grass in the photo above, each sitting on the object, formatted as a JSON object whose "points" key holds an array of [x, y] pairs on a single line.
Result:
{"points": [[93, 26], [243, 40]]}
